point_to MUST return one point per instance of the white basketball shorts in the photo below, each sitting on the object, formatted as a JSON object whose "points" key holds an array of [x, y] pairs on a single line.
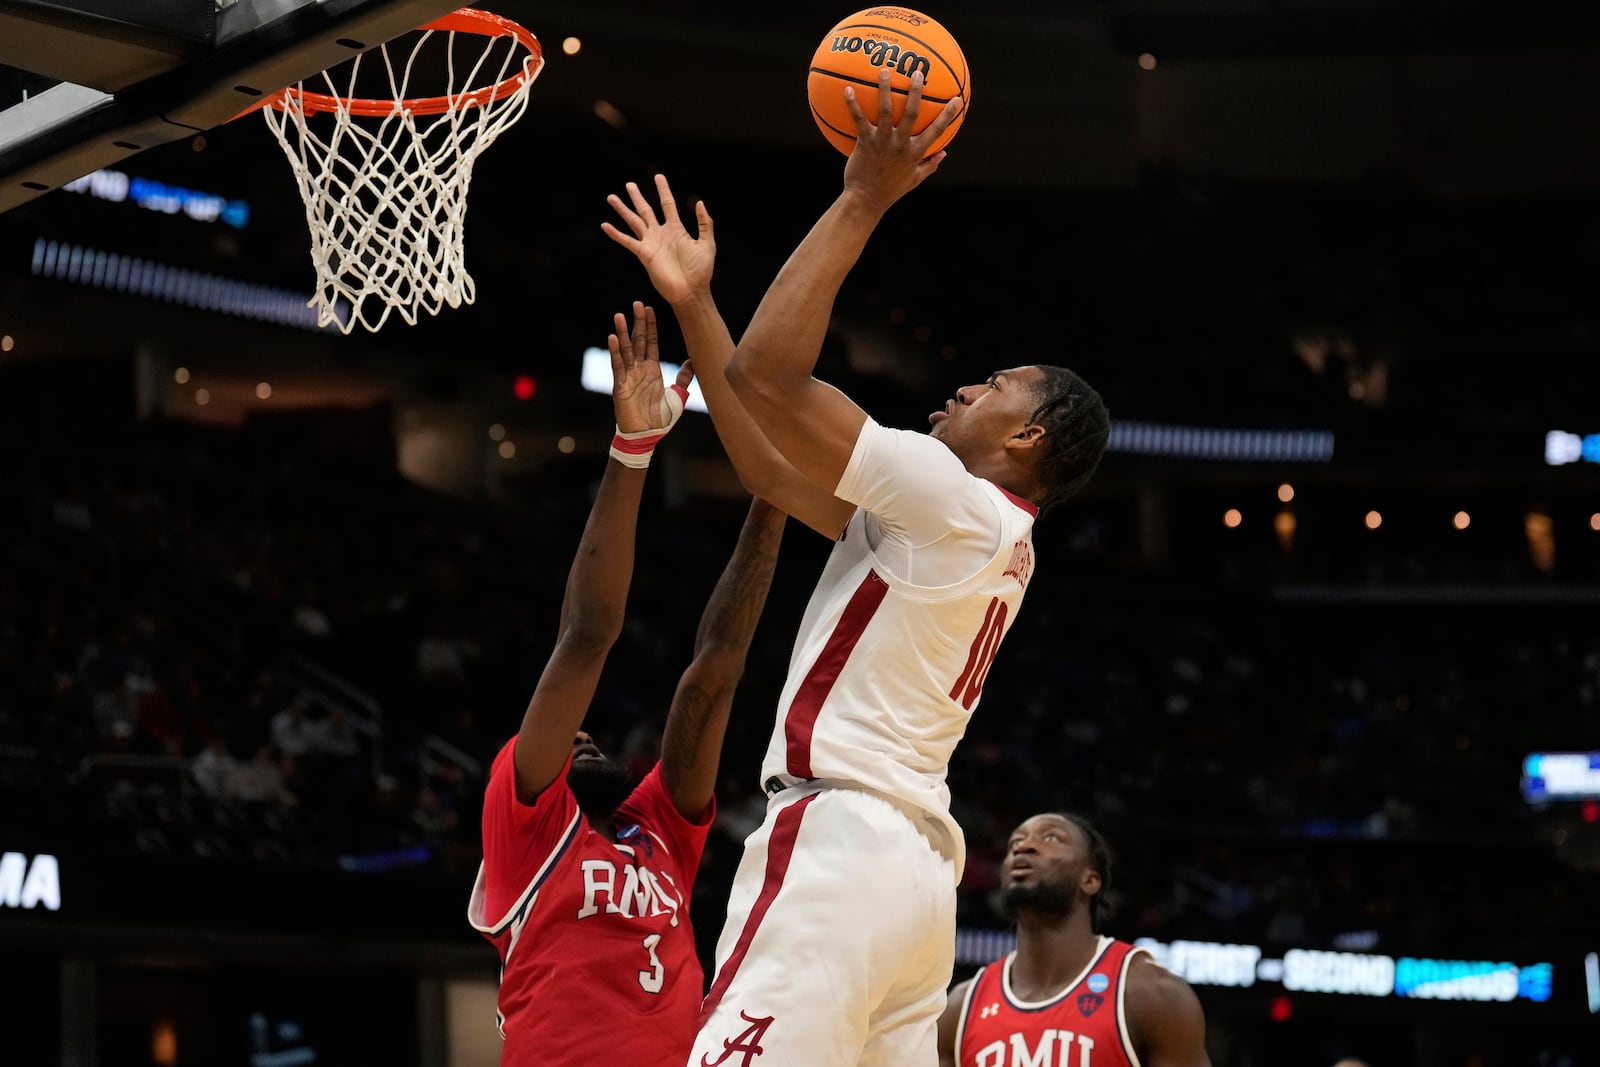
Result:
{"points": [[840, 940]]}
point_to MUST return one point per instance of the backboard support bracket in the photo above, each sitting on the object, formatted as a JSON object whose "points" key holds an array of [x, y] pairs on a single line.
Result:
{"points": [[70, 130]]}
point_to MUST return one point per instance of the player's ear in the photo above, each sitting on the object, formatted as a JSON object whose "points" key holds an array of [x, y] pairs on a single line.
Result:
{"points": [[1090, 884], [1027, 437]]}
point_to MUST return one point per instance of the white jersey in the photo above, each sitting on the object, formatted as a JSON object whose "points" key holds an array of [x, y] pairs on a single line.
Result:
{"points": [[905, 621]]}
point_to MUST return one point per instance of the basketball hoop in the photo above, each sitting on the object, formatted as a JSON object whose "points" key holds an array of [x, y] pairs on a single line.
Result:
{"points": [[386, 198]]}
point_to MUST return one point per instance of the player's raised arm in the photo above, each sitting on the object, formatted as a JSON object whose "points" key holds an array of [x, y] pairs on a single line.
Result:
{"points": [[812, 424], [950, 1024], [1165, 1020], [597, 585], [691, 745], [680, 267]]}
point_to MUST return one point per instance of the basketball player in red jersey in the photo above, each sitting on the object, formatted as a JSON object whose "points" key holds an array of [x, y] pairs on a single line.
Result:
{"points": [[1068, 997], [585, 884], [841, 923]]}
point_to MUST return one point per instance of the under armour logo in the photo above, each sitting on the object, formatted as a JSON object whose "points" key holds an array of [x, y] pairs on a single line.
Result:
{"points": [[991, 1011], [748, 1042]]}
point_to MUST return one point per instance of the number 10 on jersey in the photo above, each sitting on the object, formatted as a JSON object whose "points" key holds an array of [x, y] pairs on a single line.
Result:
{"points": [[981, 657]]}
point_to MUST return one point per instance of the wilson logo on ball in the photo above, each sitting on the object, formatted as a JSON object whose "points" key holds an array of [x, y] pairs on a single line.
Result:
{"points": [[883, 54]]}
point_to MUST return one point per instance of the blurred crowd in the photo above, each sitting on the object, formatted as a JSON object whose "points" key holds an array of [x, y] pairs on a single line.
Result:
{"points": [[210, 649]]}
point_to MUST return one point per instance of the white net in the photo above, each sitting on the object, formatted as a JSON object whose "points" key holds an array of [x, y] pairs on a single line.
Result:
{"points": [[385, 187]]}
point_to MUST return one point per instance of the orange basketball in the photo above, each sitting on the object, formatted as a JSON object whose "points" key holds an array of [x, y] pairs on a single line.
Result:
{"points": [[901, 40]]}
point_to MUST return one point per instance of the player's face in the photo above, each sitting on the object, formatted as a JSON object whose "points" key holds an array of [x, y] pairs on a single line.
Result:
{"points": [[986, 415], [597, 783], [584, 748], [1044, 867]]}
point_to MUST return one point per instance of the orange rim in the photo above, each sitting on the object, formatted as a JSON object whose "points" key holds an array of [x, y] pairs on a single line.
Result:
{"points": [[466, 20]]}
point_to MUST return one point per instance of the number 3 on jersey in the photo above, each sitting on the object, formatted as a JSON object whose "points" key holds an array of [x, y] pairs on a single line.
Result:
{"points": [[652, 980], [981, 658]]}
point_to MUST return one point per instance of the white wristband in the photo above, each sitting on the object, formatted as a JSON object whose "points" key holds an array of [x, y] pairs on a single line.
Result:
{"points": [[634, 448]]}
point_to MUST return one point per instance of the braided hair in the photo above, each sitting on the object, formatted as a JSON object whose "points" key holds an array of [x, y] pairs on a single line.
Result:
{"points": [[1076, 429]]}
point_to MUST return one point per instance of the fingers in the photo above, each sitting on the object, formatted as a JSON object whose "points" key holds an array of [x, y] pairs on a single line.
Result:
{"points": [[686, 373], [669, 207], [850, 101], [941, 123], [620, 342], [640, 337], [640, 204], [652, 349], [702, 219], [632, 244], [908, 118], [635, 223], [618, 371]]}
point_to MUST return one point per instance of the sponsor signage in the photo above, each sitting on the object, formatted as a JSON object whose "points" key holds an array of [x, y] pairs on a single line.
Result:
{"points": [[30, 882], [1299, 970]]}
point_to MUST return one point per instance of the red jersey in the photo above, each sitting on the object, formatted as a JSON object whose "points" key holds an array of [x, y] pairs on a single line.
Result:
{"points": [[1083, 1025], [597, 956]]}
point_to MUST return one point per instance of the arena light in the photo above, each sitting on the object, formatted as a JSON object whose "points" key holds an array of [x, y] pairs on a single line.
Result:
{"points": [[117, 187], [1204, 442], [1561, 448], [1551, 776], [118, 273], [596, 376]]}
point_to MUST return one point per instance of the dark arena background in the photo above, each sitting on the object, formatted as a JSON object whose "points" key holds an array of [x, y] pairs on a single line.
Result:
{"points": [[1319, 650]]}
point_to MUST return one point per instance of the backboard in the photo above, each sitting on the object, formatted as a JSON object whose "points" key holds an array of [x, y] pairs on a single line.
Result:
{"points": [[85, 83]]}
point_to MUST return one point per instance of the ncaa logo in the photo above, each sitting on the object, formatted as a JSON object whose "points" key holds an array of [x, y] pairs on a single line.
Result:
{"points": [[1098, 983], [628, 833]]}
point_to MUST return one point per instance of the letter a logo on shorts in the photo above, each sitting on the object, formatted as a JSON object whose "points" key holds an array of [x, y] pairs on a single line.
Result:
{"points": [[748, 1042]]}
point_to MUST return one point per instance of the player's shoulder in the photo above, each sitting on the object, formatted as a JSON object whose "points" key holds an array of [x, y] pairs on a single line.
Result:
{"points": [[649, 805], [1164, 1018], [1152, 988], [910, 446]]}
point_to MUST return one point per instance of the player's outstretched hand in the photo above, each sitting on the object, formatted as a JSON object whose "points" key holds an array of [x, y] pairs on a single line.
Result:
{"points": [[888, 161], [638, 392], [679, 265]]}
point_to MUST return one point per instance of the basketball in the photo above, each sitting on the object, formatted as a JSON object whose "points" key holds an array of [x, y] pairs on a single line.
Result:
{"points": [[901, 40]]}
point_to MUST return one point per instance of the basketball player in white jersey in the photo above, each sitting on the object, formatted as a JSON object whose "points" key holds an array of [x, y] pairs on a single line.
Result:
{"points": [[839, 943]]}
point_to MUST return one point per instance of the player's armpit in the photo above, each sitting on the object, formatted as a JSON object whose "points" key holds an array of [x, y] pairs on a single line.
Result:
{"points": [[1165, 1020], [812, 425], [818, 508], [950, 1023]]}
